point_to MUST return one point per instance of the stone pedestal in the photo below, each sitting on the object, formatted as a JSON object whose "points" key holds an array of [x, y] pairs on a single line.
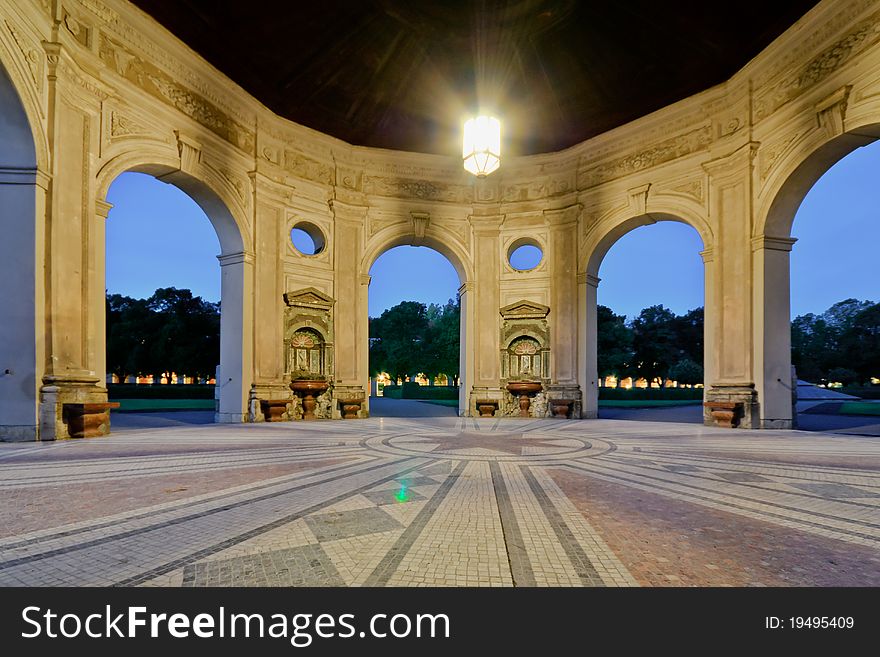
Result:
{"points": [[60, 390], [350, 408], [487, 407], [88, 420], [722, 399], [345, 394], [564, 400], [270, 402]]}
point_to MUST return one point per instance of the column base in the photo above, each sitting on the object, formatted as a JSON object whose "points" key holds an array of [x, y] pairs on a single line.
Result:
{"points": [[58, 390], [738, 400]]}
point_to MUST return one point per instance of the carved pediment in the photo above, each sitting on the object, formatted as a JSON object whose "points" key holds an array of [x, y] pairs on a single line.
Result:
{"points": [[309, 297], [525, 310]]}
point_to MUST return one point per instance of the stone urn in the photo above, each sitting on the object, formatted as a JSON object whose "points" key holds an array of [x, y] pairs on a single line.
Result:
{"points": [[308, 389], [524, 390]]}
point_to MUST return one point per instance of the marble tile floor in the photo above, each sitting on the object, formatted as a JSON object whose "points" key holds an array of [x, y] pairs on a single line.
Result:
{"points": [[442, 501]]}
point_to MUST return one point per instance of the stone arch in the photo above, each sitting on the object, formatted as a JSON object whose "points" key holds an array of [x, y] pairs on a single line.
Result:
{"points": [[22, 197], [604, 235], [236, 264], [600, 240], [772, 244], [392, 237], [18, 82]]}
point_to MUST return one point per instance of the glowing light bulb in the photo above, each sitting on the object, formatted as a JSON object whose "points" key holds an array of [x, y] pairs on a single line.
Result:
{"points": [[481, 145]]}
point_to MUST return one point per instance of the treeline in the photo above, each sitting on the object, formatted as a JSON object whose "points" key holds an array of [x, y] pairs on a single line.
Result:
{"points": [[841, 345], [172, 331], [412, 338], [656, 345]]}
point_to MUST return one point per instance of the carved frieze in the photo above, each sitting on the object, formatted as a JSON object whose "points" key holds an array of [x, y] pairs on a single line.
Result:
{"points": [[771, 153], [861, 37], [158, 84], [417, 189], [665, 151], [305, 167]]}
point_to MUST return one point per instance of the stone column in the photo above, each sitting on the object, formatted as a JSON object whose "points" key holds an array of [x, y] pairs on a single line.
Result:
{"points": [[772, 329], [466, 352], [269, 240], [564, 306], [486, 304], [74, 250], [236, 336], [711, 336], [351, 292], [729, 290], [588, 345]]}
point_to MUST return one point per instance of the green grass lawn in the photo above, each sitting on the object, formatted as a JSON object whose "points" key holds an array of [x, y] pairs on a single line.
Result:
{"points": [[147, 405], [646, 403], [860, 408]]}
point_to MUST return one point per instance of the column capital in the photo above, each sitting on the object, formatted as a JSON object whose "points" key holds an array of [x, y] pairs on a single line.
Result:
{"points": [[365, 279], [563, 217], [585, 278], [467, 286], [772, 243], [102, 208], [236, 258], [347, 211], [708, 255], [733, 165]]}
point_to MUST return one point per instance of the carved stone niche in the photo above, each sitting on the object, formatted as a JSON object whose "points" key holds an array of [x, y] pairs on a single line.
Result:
{"points": [[525, 356], [308, 346]]}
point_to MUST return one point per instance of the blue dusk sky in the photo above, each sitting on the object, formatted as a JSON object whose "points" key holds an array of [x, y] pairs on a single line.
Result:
{"points": [[158, 237]]}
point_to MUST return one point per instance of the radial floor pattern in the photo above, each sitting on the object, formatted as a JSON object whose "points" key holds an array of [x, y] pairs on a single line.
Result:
{"points": [[443, 501]]}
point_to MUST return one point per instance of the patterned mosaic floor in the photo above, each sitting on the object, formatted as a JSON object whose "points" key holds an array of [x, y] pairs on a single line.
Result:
{"points": [[442, 501]]}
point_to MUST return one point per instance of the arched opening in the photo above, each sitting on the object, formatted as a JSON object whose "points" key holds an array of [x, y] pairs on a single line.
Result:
{"points": [[826, 292], [21, 352], [417, 341], [187, 350], [645, 331]]}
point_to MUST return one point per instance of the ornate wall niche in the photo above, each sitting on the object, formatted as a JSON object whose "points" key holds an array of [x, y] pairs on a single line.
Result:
{"points": [[525, 341], [308, 332]]}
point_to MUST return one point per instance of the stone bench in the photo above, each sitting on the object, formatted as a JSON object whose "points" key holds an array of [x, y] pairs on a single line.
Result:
{"points": [[87, 420], [274, 409], [725, 414], [487, 407], [561, 408], [350, 408]]}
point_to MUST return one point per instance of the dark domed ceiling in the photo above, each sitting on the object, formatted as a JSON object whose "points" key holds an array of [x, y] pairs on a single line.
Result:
{"points": [[402, 74]]}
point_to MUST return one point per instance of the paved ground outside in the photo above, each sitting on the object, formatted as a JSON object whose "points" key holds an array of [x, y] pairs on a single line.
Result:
{"points": [[807, 421], [442, 501]]}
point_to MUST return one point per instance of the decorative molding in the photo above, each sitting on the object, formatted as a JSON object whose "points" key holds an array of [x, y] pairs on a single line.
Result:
{"points": [[33, 56], [863, 35], [667, 150], [831, 111], [190, 152], [309, 297], [242, 257], [638, 199], [158, 84], [773, 243], [420, 222], [525, 310]]}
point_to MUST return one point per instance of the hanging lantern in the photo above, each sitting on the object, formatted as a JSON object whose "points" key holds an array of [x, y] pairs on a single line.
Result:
{"points": [[481, 147]]}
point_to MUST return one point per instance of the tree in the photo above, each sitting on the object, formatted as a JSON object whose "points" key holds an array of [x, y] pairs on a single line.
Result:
{"points": [[654, 343], [172, 331], [443, 338], [397, 337], [688, 329], [687, 372], [614, 341], [860, 343]]}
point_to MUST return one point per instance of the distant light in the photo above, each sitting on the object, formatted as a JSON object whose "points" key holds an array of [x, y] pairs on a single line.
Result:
{"points": [[481, 146]]}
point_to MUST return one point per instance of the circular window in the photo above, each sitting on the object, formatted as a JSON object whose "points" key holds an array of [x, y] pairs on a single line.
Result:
{"points": [[307, 238], [524, 254]]}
